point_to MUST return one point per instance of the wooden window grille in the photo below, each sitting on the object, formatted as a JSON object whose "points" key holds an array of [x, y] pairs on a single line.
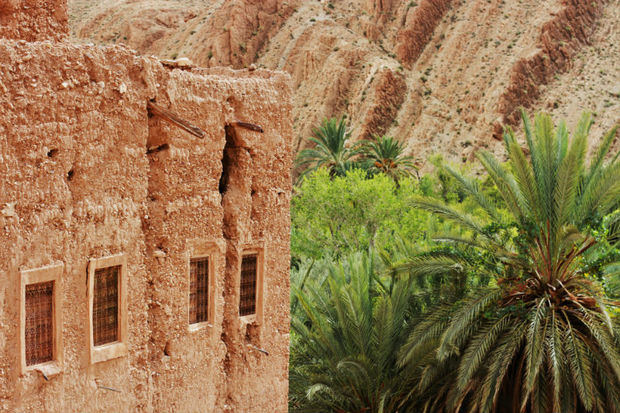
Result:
{"points": [[39, 327], [199, 290], [106, 305], [247, 301]]}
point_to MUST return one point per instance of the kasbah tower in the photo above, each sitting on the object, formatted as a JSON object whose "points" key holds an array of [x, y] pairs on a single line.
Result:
{"points": [[144, 227]]}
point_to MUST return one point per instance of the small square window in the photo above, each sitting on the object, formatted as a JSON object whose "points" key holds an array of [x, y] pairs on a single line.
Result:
{"points": [[107, 307], [40, 320], [247, 293], [198, 290]]}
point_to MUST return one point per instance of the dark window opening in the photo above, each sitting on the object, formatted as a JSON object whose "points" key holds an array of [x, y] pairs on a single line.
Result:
{"points": [[247, 301], [39, 323], [156, 149], [106, 305], [199, 290]]}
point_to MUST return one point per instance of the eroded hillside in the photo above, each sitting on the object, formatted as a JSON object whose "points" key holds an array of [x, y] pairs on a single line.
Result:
{"points": [[442, 75]]}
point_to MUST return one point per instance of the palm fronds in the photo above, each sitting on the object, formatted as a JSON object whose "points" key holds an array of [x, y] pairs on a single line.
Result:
{"points": [[331, 149], [386, 155], [541, 338], [343, 356]]}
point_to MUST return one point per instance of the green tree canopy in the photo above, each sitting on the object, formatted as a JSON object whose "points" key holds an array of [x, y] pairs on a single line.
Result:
{"points": [[334, 216]]}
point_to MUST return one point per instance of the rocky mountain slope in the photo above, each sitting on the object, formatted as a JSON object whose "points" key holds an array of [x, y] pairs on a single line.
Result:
{"points": [[442, 75]]}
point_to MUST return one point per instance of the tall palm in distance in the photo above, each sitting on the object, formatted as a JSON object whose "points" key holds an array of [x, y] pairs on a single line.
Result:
{"points": [[330, 149], [540, 337], [387, 155]]}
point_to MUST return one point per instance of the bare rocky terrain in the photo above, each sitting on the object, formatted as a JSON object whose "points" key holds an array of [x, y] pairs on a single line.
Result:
{"points": [[442, 75]]}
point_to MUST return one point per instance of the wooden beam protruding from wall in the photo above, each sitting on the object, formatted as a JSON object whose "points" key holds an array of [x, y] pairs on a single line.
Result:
{"points": [[170, 117]]}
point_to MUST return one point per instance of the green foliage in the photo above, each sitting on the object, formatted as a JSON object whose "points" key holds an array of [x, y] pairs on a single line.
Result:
{"points": [[334, 216], [508, 308], [602, 263], [387, 155], [330, 149], [345, 330], [540, 337]]}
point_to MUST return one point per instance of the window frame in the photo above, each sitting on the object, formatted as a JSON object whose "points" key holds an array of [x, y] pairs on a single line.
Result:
{"points": [[196, 251], [35, 276], [117, 348], [259, 251]]}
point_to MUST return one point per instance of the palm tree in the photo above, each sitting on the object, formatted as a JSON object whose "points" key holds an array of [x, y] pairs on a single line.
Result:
{"points": [[386, 155], [539, 337], [346, 330], [330, 150]]}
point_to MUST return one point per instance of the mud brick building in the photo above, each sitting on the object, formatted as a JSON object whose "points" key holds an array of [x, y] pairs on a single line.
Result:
{"points": [[144, 228]]}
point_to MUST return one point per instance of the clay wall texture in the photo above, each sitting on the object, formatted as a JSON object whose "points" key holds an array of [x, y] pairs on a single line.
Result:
{"points": [[34, 20], [76, 183]]}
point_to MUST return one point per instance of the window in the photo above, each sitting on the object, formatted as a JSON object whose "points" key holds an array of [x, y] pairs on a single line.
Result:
{"points": [[105, 305], [40, 320], [107, 291], [251, 284], [199, 290], [39, 323], [247, 300], [202, 261]]}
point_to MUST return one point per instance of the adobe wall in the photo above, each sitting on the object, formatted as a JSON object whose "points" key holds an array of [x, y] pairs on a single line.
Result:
{"points": [[256, 212], [34, 20], [184, 214], [76, 183], [73, 183], [187, 209]]}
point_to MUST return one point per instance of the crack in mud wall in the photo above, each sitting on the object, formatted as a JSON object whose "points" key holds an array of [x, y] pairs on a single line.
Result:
{"points": [[236, 202]]}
